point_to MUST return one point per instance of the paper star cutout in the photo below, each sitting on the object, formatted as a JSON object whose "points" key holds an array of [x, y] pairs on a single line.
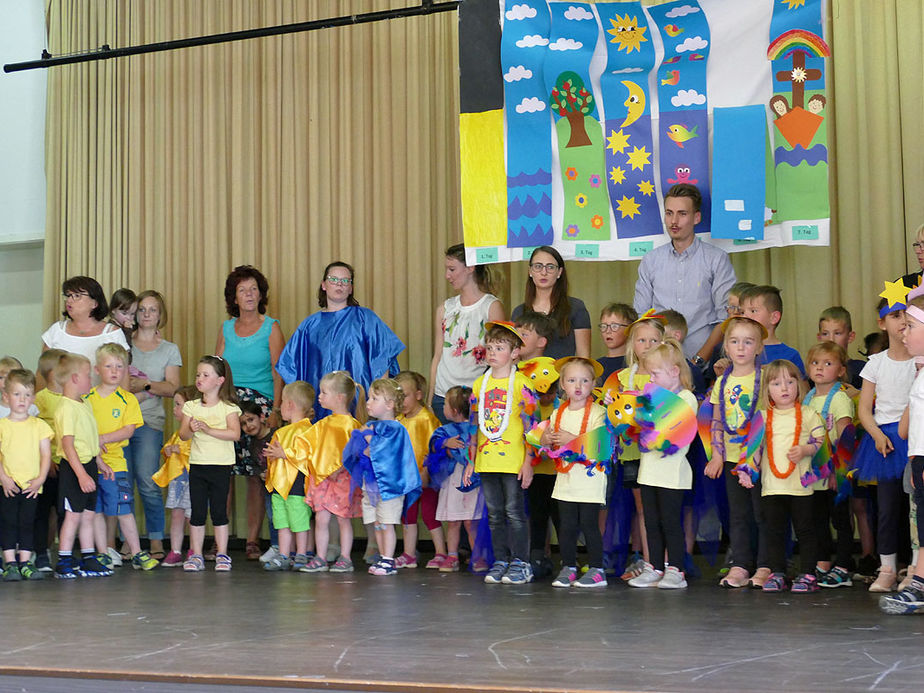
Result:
{"points": [[646, 188], [895, 292], [617, 175], [638, 158], [617, 141], [628, 207]]}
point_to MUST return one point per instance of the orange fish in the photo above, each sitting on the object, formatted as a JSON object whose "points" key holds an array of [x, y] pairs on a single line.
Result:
{"points": [[673, 78]]}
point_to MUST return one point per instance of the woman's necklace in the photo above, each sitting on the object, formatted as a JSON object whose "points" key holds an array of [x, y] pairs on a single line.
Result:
{"points": [[505, 413], [792, 465], [750, 413]]}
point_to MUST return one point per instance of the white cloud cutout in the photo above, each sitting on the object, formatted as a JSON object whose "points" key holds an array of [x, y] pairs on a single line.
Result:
{"points": [[681, 11], [688, 97], [530, 105], [532, 40], [520, 12], [577, 13], [517, 72], [626, 70], [694, 43], [565, 44]]}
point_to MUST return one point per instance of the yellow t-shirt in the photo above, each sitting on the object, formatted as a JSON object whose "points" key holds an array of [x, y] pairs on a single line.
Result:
{"points": [[19, 446], [208, 449], [420, 427], [73, 418], [507, 453], [576, 485], [630, 380], [841, 407], [738, 395], [784, 429], [671, 471], [326, 441], [117, 409], [47, 402]]}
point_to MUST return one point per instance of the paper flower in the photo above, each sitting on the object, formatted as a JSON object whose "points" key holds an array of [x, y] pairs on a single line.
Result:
{"points": [[596, 221], [580, 200], [595, 181], [571, 173], [572, 231]]}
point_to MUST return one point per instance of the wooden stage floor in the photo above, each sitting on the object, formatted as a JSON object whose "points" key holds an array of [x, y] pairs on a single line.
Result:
{"points": [[426, 631]]}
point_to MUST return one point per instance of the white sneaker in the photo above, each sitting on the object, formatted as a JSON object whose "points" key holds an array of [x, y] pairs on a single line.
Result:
{"points": [[115, 556], [673, 579], [649, 577], [271, 553]]}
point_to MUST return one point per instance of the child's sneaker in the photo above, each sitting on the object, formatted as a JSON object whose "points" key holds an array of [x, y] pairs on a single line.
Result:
{"points": [[11, 573], [65, 569], [270, 553], [673, 579], [300, 562], [836, 577], [30, 572], [222, 563], [115, 556], [405, 560], [594, 577], [649, 577], [194, 563], [437, 561], [91, 567], [42, 563], [884, 582], [342, 565], [908, 601], [634, 567], [105, 560], [805, 584], [172, 560], [275, 564], [144, 561], [777, 582], [567, 576], [315, 565], [480, 566], [496, 573], [519, 573], [450, 565], [386, 566]]}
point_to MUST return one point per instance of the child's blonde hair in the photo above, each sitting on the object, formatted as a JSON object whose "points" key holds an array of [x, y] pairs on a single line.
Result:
{"points": [[390, 390], [773, 370], [674, 320], [68, 365], [47, 361], [669, 353], [301, 394], [113, 350], [355, 395], [631, 358], [20, 376], [827, 349], [747, 322], [623, 310], [413, 377], [8, 363], [578, 361]]}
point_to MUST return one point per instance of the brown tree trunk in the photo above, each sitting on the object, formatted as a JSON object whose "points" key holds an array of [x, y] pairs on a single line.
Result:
{"points": [[579, 136]]}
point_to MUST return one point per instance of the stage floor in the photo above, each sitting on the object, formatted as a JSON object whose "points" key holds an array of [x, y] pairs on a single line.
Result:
{"points": [[423, 630]]}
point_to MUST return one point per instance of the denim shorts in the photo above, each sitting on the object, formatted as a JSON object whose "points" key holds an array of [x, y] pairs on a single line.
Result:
{"points": [[115, 496]]}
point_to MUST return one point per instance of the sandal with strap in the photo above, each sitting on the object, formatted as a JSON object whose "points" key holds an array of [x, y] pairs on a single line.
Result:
{"points": [[252, 550], [776, 583], [222, 563]]}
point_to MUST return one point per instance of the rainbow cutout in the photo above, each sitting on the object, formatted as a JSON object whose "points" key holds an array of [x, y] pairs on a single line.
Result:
{"points": [[594, 449], [798, 40]]}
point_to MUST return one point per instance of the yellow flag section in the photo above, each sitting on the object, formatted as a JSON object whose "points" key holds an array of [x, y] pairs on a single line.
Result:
{"points": [[484, 182]]}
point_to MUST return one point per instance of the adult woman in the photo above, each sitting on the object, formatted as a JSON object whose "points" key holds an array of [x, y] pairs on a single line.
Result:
{"points": [[83, 329], [547, 292], [251, 341], [458, 347], [158, 364], [341, 336]]}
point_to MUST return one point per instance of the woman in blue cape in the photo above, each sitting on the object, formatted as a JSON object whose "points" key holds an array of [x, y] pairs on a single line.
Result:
{"points": [[341, 336]]}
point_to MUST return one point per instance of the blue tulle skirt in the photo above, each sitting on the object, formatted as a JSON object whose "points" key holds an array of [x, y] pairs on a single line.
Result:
{"points": [[871, 466]]}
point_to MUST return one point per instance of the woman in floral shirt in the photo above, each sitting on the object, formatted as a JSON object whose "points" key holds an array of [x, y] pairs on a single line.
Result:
{"points": [[458, 354]]}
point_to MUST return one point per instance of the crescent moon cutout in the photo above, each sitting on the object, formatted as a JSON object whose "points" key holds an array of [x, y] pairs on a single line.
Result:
{"points": [[635, 103]]}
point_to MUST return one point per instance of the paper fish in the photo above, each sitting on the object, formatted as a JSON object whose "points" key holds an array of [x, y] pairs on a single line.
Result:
{"points": [[672, 30], [679, 134], [621, 413], [671, 61], [540, 371], [697, 56], [666, 422], [673, 78], [594, 449]]}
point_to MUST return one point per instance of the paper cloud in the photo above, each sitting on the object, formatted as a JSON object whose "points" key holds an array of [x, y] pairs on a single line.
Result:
{"points": [[694, 43], [564, 44], [531, 41], [627, 70], [520, 12], [578, 13], [530, 105], [688, 97], [681, 11], [517, 72]]}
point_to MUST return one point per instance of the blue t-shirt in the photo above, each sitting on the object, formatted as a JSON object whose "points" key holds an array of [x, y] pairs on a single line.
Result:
{"points": [[773, 352], [251, 363]]}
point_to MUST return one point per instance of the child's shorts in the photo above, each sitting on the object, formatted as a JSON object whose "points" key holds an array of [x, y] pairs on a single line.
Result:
{"points": [[178, 494], [386, 512], [291, 513], [115, 496], [70, 497]]}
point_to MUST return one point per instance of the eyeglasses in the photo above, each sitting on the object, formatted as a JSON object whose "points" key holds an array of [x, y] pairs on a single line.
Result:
{"points": [[343, 281], [918, 246], [611, 326], [539, 268], [735, 310], [75, 294]]}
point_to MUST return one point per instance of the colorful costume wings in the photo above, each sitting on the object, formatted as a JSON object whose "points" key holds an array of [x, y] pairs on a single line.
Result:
{"points": [[749, 436], [666, 423]]}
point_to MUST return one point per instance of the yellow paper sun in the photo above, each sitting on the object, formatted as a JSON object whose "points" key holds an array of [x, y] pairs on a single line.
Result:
{"points": [[646, 188], [617, 141], [793, 3], [627, 33], [628, 207], [638, 158], [617, 175]]}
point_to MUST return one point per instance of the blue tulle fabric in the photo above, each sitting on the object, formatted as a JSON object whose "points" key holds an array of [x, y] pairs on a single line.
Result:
{"points": [[710, 503], [389, 469], [871, 466], [441, 461], [353, 339]]}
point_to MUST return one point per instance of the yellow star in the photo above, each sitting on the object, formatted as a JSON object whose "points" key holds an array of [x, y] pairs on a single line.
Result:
{"points": [[792, 4], [646, 188], [617, 175], [618, 141], [628, 207], [895, 292], [638, 158]]}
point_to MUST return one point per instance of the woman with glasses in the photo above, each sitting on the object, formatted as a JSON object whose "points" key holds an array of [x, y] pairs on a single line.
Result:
{"points": [[914, 278], [547, 292], [251, 341], [342, 336], [459, 351]]}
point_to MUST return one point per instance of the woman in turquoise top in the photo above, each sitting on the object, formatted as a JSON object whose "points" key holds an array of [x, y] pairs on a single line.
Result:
{"points": [[251, 341]]}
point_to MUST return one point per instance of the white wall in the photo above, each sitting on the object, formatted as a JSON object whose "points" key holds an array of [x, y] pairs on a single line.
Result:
{"points": [[22, 180]]}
